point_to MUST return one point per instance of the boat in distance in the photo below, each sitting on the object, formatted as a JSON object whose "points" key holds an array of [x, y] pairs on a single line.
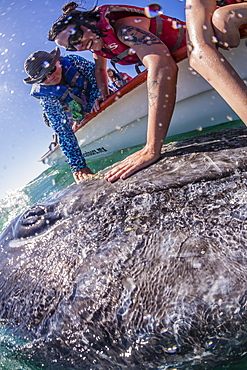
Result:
{"points": [[122, 120]]}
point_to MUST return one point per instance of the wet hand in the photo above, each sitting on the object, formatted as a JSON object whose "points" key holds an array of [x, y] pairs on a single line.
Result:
{"points": [[98, 101], [131, 164], [82, 174], [75, 126]]}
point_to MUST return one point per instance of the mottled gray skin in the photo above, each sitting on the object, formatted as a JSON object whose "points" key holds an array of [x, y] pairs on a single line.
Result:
{"points": [[145, 273]]}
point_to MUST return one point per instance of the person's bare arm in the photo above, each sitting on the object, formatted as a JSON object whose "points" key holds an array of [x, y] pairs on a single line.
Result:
{"points": [[206, 59], [161, 85]]}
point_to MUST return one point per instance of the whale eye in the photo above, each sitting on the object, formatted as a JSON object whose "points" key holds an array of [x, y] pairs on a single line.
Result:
{"points": [[35, 220]]}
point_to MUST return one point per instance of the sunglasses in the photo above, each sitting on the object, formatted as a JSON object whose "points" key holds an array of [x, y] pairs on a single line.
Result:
{"points": [[75, 38], [48, 74]]}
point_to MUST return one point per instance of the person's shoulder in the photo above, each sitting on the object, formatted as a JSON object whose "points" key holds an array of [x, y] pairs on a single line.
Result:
{"points": [[48, 99], [77, 58]]}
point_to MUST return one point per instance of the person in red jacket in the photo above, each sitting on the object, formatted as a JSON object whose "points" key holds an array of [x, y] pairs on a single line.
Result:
{"points": [[212, 25], [126, 35]]}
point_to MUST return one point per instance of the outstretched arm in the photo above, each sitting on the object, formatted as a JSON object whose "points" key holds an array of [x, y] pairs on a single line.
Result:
{"points": [[67, 140], [161, 85], [206, 59]]}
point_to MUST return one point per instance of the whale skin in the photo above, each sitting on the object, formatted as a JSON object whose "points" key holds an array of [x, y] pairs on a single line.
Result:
{"points": [[145, 273]]}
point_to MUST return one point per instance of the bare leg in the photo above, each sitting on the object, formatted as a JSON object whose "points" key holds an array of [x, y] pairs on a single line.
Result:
{"points": [[208, 61], [226, 22]]}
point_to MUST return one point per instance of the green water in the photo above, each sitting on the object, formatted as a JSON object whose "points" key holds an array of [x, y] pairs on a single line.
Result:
{"points": [[46, 184]]}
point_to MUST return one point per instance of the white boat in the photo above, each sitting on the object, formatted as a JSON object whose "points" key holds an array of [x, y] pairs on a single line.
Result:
{"points": [[122, 121]]}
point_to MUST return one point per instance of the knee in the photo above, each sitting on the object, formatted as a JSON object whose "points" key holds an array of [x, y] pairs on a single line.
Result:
{"points": [[200, 55], [225, 23], [196, 55]]}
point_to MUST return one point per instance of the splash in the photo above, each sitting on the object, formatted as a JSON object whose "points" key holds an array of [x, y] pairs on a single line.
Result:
{"points": [[11, 205], [153, 10]]}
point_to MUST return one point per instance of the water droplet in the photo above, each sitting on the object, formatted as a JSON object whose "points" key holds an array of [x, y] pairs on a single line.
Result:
{"points": [[189, 47], [131, 51], [46, 64], [72, 31], [163, 330], [172, 349], [176, 25], [153, 10], [214, 40], [229, 118], [199, 128]]}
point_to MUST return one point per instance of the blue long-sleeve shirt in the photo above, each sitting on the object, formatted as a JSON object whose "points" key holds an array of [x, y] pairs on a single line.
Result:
{"points": [[58, 119]]}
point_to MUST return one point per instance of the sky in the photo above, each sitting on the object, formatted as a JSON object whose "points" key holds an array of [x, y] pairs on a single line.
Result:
{"points": [[24, 137]]}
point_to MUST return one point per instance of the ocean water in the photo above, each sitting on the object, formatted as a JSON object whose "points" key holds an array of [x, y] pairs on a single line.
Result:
{"points": [[47, 183]]}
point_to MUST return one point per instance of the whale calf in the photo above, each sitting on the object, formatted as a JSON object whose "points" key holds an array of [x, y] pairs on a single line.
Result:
{"points": [[145, 273]]}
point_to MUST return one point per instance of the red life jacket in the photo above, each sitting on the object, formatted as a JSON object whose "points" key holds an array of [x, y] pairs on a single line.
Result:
{"points": [[170, 30]]}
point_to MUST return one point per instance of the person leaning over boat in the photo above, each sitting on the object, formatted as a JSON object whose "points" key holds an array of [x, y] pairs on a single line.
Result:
{"points": [[67, 89], [210, 27], [117, 80], [126, 35]]}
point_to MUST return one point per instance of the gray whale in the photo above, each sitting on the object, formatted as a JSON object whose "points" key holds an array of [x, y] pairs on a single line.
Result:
{"points": [[145, 273]]}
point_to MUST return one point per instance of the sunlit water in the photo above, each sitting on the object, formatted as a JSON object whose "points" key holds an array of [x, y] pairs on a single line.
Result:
{"points": [[47, 183]]}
